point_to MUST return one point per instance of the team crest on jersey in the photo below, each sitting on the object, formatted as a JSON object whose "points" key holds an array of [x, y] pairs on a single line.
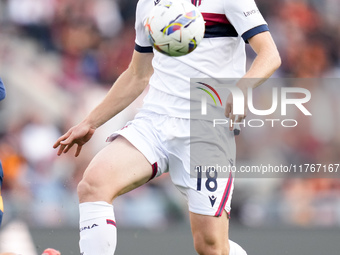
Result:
{"points": [[196, 2]]}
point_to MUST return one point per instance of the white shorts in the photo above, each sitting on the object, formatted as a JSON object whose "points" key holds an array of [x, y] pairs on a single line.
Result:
{"points": [[166, 143]]}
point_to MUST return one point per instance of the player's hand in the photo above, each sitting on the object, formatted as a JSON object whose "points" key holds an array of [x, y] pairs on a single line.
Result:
{"points": [[79, 135], [234, 119]]}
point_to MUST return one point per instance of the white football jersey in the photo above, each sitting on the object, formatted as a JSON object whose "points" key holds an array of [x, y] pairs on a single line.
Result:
{"points": [[221, 53]]}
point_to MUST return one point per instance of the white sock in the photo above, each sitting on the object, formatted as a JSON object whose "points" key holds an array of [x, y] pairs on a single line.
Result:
{"points": [[98, 233], [236, 249]]}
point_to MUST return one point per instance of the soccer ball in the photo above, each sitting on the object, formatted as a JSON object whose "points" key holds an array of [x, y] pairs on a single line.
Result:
{"points": [[175, 28]]}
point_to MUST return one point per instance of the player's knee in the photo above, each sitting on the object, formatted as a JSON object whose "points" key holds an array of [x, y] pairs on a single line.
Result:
{"points": [[84, 190], [91, 190], [210, 246]]}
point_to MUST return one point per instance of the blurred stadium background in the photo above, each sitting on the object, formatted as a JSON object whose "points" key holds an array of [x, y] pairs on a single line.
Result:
{"points": [[58, 58]]}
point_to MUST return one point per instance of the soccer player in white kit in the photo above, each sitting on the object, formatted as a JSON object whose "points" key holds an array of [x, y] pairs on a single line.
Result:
{"points": [[158, 139]]}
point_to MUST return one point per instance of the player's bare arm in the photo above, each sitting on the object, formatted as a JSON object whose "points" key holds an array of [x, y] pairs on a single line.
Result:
{"points": [[267, 59], [264, 65], [125, 90]]}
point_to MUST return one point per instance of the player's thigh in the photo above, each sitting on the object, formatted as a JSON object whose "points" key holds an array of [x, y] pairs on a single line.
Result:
{"points": [[210, 232], [116, 169]]}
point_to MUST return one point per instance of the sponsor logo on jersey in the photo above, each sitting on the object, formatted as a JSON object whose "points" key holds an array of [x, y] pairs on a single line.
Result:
{"points": [[248, 13], [88, 227], [212, 200]]}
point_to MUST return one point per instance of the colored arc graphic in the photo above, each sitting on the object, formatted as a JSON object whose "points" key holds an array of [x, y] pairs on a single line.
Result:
{"points": [[209, 94], [213, 90]]}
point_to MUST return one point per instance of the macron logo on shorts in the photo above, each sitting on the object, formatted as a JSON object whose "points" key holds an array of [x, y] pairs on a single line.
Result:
{"points": [[212, 200]]}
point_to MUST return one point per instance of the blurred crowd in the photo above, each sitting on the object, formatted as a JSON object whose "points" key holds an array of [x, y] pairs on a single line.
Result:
{"points": [[307, 34], [90, 37], [58, 58]]}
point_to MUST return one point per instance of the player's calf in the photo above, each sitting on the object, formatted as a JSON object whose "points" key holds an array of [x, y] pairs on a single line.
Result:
{"points": [[212, 249], [210, 233]]}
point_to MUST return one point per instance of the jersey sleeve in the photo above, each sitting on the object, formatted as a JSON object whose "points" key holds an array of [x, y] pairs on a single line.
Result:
{"points": [[246, 18], [142, 43], [2, 90]]}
